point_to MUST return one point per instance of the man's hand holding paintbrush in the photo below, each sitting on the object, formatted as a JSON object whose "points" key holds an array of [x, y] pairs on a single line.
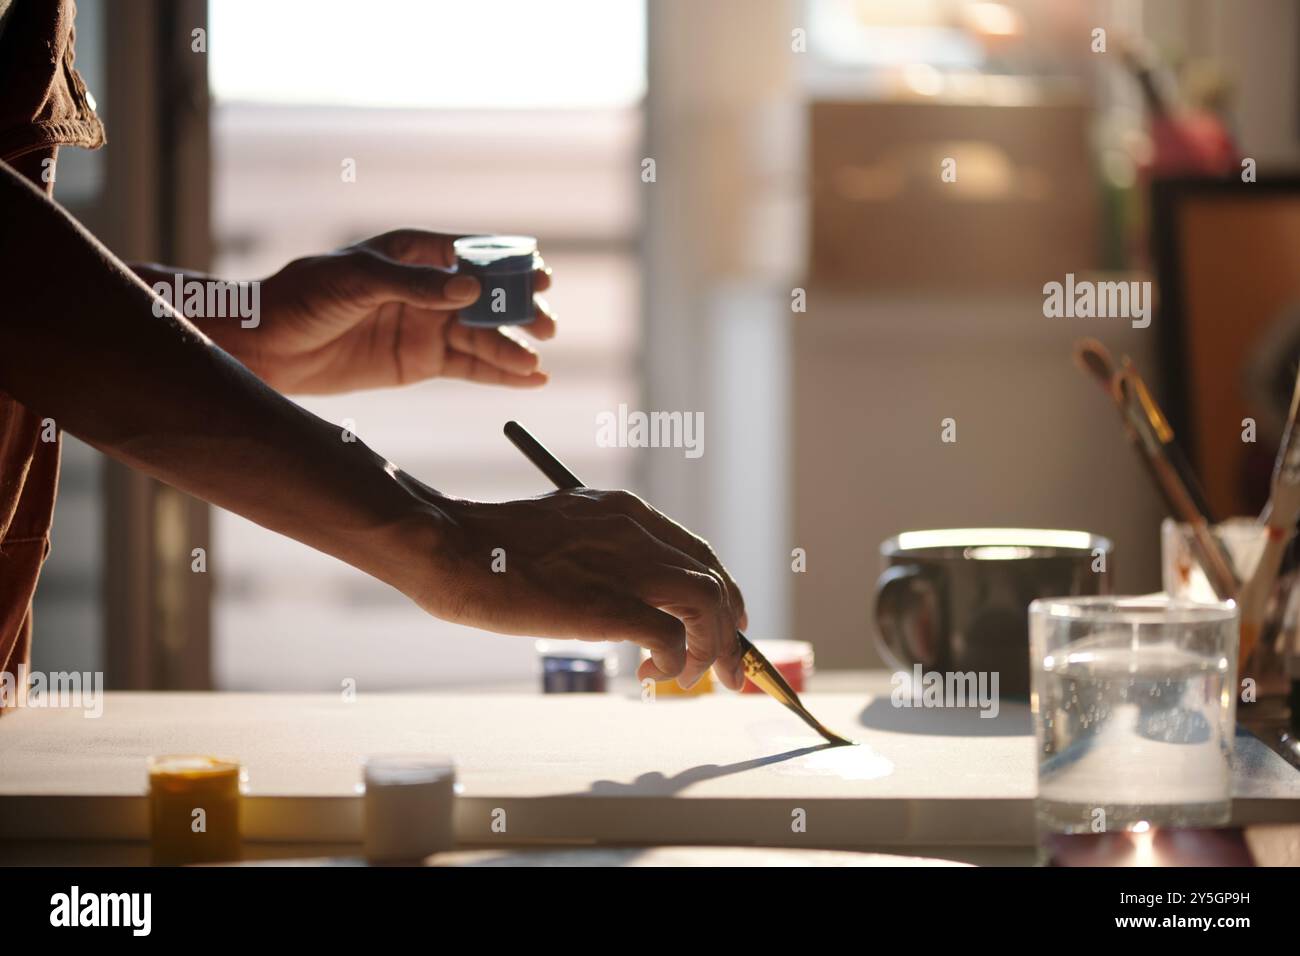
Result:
{"points": [[752, 662], [591, 565]]}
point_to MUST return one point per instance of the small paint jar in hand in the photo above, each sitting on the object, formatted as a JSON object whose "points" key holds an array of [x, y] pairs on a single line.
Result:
{"points": [[504, 268]]}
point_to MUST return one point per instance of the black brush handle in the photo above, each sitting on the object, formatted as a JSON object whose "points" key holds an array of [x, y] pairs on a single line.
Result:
{"points": [[541, 456]]}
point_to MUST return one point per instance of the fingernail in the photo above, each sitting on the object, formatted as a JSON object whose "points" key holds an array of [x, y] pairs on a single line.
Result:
{"points": [[651, 669], [461, 287]]}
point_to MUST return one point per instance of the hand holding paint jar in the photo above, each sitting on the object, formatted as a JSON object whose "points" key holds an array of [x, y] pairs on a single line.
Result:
{"points": [[504, 267]]}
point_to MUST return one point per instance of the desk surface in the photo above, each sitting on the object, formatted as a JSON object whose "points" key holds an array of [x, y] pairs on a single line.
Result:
{"points": [[728, 769]]}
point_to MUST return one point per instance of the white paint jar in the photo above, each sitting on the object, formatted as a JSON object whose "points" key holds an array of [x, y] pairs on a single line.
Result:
{"points": [[409, 807]]}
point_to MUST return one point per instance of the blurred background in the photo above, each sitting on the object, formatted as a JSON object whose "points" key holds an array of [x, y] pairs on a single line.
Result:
{"points": [[798, 147]]}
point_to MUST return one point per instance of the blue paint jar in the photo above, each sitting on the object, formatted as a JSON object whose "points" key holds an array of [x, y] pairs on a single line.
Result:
{"points": [[575, 667], [573, 675], [504, 268]]}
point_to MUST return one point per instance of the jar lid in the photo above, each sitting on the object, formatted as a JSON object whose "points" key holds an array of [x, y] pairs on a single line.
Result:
{"points": [[191, 765], [399, 769], [482, 250]]}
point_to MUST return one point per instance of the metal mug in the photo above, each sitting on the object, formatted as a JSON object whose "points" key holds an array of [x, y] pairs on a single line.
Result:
{"points": [[956, 600]]}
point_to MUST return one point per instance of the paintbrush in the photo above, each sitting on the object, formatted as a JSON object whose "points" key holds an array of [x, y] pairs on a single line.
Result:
{"points": [[1149, 431], [1094, 358], [757, 667], [1283, 510], [1165, 435]]}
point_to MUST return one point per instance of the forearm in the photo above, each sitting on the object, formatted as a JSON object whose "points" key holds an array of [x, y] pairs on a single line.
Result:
{"points": [[232, 333], [80, 343], [151, 273]]}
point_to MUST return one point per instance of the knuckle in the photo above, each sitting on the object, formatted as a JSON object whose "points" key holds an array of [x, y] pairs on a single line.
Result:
{"points": [[398, 244], [624, 524], [362, 260], [626, 501], [700, 655], [713, 587]]}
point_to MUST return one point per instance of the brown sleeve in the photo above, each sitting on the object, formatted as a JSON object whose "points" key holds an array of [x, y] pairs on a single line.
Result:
{"points": [[43, 100]]}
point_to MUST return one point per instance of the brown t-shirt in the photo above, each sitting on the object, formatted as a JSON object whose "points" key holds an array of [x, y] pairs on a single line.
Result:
{"points": [[43, 105]]}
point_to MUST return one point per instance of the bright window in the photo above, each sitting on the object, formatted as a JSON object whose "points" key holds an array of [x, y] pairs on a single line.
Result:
{"points": [[505, 115]]}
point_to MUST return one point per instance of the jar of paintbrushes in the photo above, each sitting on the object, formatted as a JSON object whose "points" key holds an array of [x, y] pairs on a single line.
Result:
{"points": [[1244, 541]]}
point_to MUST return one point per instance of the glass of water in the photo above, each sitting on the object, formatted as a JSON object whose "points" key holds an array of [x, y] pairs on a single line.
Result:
{"points": [[1134, 712]]}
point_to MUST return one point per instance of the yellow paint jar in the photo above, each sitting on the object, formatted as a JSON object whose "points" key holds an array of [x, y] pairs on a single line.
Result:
{"points": [[194, 809], [670, 688]]}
